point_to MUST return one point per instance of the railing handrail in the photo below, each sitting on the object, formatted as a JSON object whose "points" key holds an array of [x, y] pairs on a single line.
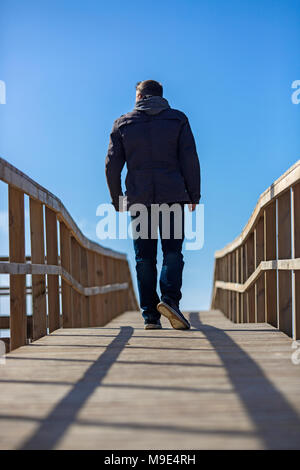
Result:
{"points": [[16, 178], [83, 283], [257, 276], [283, 183]]}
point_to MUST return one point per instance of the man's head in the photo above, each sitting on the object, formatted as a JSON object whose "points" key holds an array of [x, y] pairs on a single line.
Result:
{"points": [[148, 87]]}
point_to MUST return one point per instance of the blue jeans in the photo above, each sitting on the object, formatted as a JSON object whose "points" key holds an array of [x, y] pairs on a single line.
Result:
{"points": [[146, 257]]}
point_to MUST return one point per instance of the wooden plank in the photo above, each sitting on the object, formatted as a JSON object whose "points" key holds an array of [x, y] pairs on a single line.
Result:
{"points": [[270, 254], [250, 270], [238, 390], [15, 178], [17, 255], [288, 179], [85, 282], [296, 219], [92, 282], [101, 300], [250, 255], [52, 259], [251, 305], [284, 252], [240, 277], [75, 271], [39, 308], [66, 290], [260, 284]]}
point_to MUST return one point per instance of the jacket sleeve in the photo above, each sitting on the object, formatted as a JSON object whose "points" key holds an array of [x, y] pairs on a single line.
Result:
{"points": [[114, 163], [189, 162]]}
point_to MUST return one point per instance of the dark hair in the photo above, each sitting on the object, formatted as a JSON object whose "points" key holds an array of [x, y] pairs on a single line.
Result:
{"points": [[149, 87]]}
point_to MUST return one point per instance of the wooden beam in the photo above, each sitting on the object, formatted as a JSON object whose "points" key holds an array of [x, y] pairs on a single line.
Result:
{"points": [[270, 254], [39, 309], [66, 290], [284, 252], [52, 259], [296, 219], [17, 255]]}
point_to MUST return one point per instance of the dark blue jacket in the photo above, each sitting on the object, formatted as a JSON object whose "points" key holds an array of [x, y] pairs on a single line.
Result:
{"points": [[160, 152]]}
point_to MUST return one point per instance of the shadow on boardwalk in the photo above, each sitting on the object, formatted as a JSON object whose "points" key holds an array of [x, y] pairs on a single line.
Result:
{"points": [[277, 423], [272, 422], [64, 414]]}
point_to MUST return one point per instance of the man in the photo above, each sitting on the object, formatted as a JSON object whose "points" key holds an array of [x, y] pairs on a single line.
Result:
{"points": [[157, 144]]}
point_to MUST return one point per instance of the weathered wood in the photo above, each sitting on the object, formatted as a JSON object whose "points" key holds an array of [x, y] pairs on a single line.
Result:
{"points": [[17, 254], [250, 270], [92, 282], [296, 220], [260, 284], [84, 280], [75, 270], [39, 308], [270, 254], [284, 252], [15, 178], [288, 179], [52, 259], [66, 290], [234, 387], [251, 305]]}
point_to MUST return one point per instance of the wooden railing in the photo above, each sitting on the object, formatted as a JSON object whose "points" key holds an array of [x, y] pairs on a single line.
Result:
{"points": [[75, 281], [257, 277]]}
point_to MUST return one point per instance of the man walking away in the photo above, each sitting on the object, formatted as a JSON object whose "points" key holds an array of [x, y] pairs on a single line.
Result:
{"points": [[158, 147]]}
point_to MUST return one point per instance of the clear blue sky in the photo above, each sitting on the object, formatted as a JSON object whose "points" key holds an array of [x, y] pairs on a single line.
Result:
{"points": [[70, 69]]}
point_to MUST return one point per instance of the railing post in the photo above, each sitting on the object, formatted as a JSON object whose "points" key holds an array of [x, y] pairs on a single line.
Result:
{"points": [[92, 283], [242, 280], [233, 279], [52, 259], [284, 252], [270, 254], [101, 300], [39, 309], [84, 281], [229, 292], [238, 280], [296, 223], [18, 325], [250, 270], [260, 284], [66, 290], [75, 271], [226, 293]]}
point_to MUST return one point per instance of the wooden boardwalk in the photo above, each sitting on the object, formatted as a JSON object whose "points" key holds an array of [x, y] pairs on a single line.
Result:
{"points": [[217, 386]]}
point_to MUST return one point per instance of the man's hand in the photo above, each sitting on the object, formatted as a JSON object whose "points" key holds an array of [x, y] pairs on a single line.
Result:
{"points": [[192, 207]]}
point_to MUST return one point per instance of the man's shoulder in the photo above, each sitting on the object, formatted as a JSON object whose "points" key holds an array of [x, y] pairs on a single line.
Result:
{"points": [[124, 118], [177, 114], [131, 116]]}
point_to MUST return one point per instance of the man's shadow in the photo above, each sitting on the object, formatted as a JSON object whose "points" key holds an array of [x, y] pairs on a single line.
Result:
{"points": [[277, 422]]}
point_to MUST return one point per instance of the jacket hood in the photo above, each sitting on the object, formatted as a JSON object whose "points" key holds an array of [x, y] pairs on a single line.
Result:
{"points": [[152, 104]]}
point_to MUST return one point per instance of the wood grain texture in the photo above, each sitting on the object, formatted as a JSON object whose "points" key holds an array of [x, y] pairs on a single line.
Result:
{"points": [[75, 270], [39, 308], [18, 326], [65, 255], [284, 252], [52, 279], [218, 386], [296, 219]]}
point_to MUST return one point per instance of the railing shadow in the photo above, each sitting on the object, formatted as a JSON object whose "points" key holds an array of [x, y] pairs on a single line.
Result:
{"points": [[63, 415], [277, 423]]}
